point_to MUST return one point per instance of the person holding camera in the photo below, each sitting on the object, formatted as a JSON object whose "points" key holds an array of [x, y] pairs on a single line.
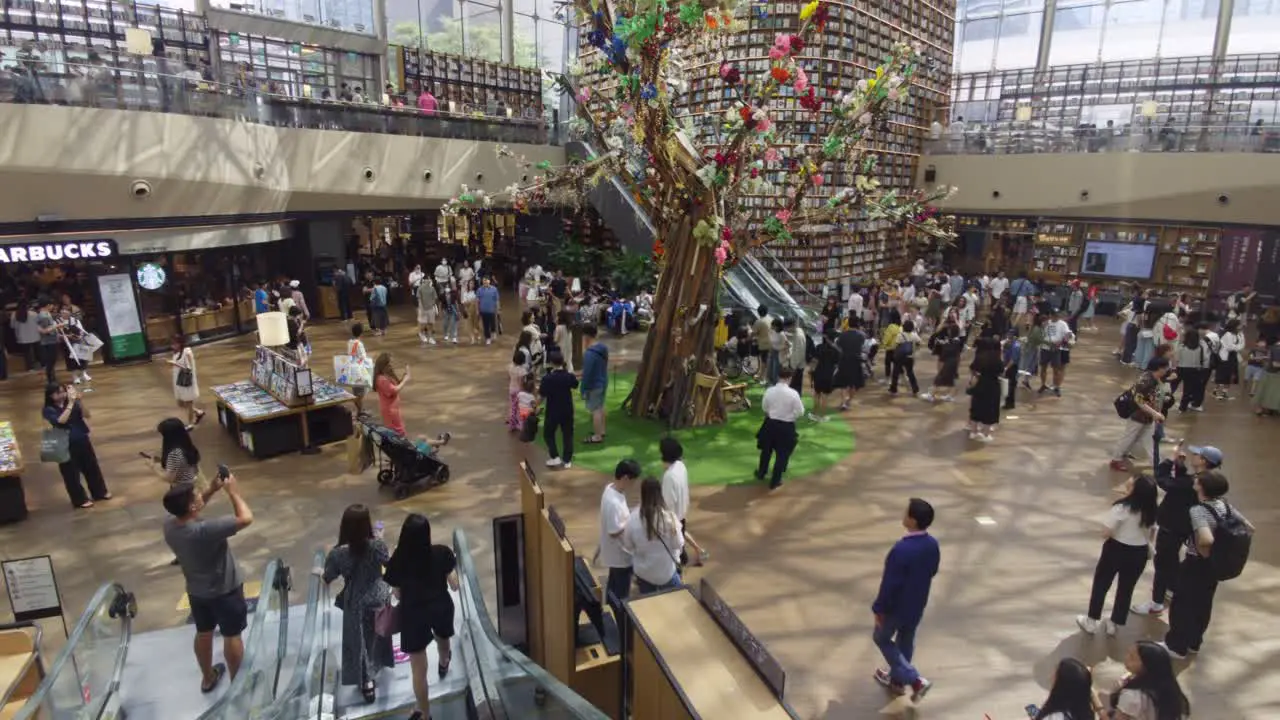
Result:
{"points": [[214, 582], [64, 410]]}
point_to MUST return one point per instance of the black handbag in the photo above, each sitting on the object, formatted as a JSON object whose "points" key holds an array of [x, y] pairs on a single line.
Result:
{"points": [[185, 377]]}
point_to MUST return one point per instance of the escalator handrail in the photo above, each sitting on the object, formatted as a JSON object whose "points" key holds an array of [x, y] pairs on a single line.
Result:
{"points": [[310, 644], [248, 666], [553, 687], [108, 594], [640, 212]]}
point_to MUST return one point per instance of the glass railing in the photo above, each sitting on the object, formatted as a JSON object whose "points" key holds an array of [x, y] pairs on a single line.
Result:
{"points": [[523, 689], [265, 645], [134, 88], [83, 680], [307, 685], [1025, 140]]}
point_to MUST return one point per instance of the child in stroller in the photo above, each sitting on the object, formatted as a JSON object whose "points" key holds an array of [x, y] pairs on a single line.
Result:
{"points": [[402, 464]]}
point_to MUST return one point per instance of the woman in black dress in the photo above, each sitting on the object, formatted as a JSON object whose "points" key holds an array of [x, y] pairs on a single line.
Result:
{"points": [[824, 372], [947, 343], [831, 314], [421, 575], [984, 390], [849, 375]]}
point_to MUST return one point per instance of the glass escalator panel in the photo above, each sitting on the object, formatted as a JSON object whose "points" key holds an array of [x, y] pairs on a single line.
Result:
{"points": [[305, 689], [265, 644], [82, 681], [510, 682]]}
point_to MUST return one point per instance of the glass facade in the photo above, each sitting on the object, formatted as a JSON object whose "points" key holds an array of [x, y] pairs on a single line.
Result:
{"points": [[294, 69], [1006, 34], [349, 15]]}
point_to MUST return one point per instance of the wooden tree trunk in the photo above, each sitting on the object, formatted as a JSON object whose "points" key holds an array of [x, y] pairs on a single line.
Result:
{"points": [[678, 347]]}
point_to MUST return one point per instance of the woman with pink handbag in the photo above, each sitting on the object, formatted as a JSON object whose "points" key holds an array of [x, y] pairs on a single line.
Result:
{"points": [[358, 560]]}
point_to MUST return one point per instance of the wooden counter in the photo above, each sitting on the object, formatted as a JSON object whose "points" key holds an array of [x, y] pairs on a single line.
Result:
{"points": [[684, 666]]}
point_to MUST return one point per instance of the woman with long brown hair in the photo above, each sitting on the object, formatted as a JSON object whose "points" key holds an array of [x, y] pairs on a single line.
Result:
{"points": [[388, 386], [359, 558], [654, 539], [185, 386]]}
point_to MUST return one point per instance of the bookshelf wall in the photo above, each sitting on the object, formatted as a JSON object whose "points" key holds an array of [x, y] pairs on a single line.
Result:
{"points": [[472, 83], [65, 31], [856, 40]]}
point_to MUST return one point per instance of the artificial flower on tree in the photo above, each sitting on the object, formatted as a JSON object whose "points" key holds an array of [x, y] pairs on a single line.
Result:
{"points": [[628, 111]]}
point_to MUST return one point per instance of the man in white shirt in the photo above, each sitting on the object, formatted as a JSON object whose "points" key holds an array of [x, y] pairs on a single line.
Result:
{"points": [[465, 275], [443, 274], [613, 520], [675, 493], [415, 279], [1057, 336], [999, 285], [855, 304], [782, 407]]}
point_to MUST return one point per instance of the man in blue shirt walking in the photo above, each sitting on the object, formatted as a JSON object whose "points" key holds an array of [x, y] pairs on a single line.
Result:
{"points": [[904, 592], [595, 380]]}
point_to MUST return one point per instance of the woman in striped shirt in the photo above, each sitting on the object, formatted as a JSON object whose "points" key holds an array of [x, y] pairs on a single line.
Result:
{"points": [[179, 459]]}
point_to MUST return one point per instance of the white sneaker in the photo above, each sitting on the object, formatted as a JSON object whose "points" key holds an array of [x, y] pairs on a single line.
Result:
{"points": [[489, 341], [87, 378], [1147, 608], [1087, 624], [985, 438], [422, 338], [455, 341], [927, 397], [947, 398], [1110, 627], [431, 341], [567, 465], [77, 380], [555, 462], [974, 435]]}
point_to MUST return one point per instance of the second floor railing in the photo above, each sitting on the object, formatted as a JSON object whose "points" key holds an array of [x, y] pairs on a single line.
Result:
{"points": [[1024, 138], [131, 88]]}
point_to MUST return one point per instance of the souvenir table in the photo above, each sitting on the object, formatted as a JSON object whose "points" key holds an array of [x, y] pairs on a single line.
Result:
{"points": [[265, 426], [13, 500]]}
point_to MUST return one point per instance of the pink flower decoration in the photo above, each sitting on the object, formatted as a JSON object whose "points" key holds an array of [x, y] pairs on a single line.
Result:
{"points": [[784, 216], [817, 180], [584, 94], [782, 42], [721, 255], [776, 53], [801, 80], [771, 155], [763, 122]]}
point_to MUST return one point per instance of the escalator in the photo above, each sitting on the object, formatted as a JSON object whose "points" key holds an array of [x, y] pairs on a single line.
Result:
{"points": [[748, 284]]}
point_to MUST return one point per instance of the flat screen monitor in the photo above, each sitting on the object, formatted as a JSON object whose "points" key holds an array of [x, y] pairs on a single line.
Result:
{"points": [[1113, 259]]}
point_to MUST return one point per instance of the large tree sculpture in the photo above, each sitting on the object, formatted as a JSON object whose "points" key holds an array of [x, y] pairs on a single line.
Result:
{"points": [[628, 109]]}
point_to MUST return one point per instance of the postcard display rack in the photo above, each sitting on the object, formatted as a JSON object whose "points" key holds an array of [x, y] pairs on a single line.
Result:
{"points": [[283, 408], [473, 81], [856, 40]]}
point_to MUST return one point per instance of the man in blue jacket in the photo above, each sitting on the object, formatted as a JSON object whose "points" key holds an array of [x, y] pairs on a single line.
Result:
{"points": [[904, 592], [595, 380]]}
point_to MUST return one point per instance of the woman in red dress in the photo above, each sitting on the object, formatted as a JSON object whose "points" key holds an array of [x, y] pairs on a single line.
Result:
{"points": [[388, 387]]}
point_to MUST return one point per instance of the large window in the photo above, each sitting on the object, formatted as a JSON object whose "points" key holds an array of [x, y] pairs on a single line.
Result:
{"points": [[997, 34], [349, 15], [1255, 27], [295, 69]]}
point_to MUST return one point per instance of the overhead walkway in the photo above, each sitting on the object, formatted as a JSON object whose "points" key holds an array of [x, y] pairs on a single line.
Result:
{"points": [[291, 666]]}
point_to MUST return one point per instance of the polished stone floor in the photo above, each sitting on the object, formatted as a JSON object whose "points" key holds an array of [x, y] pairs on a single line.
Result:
{"points": [[1016, 519]]}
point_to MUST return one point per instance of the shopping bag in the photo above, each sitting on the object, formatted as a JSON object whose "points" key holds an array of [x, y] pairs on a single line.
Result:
{"points": [[55, 446], [352, 372], [93, 342], [386, 621]]}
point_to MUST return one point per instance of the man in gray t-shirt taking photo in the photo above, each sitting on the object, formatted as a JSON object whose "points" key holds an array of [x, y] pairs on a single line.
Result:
{"points": [[215, 585]]}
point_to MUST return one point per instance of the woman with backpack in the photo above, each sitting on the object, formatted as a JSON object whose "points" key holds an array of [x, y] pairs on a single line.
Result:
{"points": [[1130, 530], [1191, 357]]}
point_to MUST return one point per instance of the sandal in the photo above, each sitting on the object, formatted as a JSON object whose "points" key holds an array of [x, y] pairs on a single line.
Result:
{"points": [[199, 417], [370, 691], [218, 671], [444, 665], [593, 441]]}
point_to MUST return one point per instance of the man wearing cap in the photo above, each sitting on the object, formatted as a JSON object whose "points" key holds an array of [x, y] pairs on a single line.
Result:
{"points": [[1056, 336], [1177, 478]]}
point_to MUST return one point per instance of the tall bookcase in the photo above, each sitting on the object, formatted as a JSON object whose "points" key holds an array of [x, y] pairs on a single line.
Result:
{"points": [[473, 83], [857, 38]]}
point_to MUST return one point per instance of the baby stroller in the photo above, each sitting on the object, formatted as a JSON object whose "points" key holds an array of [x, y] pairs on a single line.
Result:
{"points": [[403, 464]]}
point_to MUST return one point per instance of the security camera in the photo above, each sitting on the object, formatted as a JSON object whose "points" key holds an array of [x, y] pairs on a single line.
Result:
{"points": [[426, 176], [140, 189], [368, 174], [1223, 199], [524, 178], [1084, 194], [259, 171]]}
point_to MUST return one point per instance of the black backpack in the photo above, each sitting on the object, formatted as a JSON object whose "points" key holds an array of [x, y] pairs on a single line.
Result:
{"points": [[1232, 540], [1126, 404]]}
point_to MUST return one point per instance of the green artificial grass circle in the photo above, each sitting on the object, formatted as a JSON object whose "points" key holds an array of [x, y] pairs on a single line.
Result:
{"points": [[714, 454]]}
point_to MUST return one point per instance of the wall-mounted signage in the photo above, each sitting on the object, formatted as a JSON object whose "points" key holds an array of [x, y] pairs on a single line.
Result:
{"points": [[151, 276], [58, 251]]}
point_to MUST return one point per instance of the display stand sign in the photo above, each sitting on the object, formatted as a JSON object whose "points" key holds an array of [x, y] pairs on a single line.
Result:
{"points": [[120, 308], [32, 588]]}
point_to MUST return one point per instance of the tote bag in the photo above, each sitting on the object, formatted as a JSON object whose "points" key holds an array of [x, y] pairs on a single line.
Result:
{"points": [[55, 446], [352, 370]]}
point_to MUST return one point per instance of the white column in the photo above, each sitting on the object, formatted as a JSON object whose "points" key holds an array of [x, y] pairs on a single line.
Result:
{"points": [[1046, 35], [508, 31]]}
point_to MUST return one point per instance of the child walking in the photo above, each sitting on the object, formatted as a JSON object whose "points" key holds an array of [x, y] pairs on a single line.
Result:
{"points": [[517, 371]]}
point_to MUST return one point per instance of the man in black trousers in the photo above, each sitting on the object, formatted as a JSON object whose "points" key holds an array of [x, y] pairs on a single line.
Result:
{"points": [[557, 394], [782, 408]]}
